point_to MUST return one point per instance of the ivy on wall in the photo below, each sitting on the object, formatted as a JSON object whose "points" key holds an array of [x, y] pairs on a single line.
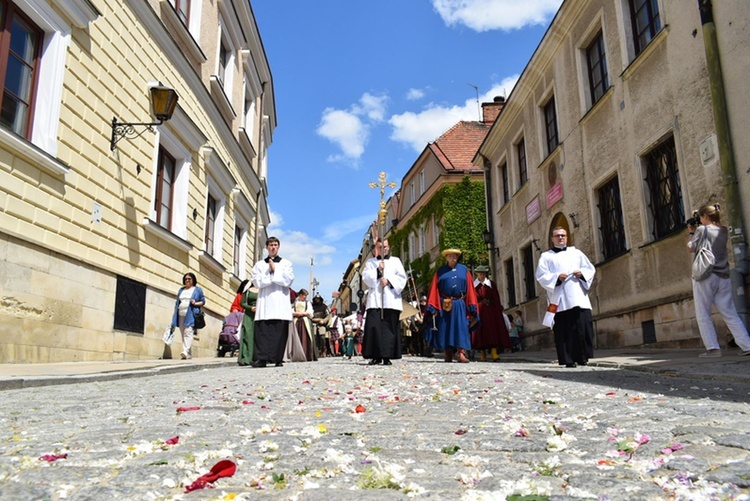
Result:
{"points": [[460, 212]]}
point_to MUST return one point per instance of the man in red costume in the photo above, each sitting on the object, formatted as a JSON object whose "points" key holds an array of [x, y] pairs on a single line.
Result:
{"points": [[493, 331]]}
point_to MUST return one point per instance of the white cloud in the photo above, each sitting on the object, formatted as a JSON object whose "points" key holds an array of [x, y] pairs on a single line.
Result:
{"points": [[344, 129], [350, 129], [418, 129], [337, 230], [414, 94], [276, 219], [485, 15], [371, 106]]}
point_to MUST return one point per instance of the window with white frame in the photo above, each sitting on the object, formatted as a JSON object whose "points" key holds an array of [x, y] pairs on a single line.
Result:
{"points": [[248, 110], [225, 59], [421, 183], [412, 193], [412, 246], [435, 232], [421, 241], [244, 215], [170, 184], [35, 40], [220, 184], [239, 236]]}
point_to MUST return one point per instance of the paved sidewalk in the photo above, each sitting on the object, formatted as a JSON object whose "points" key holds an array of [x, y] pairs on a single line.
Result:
{"points": [[670, 362]]}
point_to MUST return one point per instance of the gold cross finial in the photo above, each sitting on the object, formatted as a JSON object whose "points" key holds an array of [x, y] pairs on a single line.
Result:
{"points": [[382, 185]]}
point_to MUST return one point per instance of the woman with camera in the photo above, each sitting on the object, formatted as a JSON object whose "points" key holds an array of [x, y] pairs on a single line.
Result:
{"points": [[716, 289]]}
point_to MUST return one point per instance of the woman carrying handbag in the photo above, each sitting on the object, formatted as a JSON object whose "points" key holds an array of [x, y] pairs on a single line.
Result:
{"points": [[189, 301], [713, 288]]}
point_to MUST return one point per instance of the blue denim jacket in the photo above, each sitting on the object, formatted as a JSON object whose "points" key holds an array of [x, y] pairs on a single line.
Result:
{"points": [[189, 318]]}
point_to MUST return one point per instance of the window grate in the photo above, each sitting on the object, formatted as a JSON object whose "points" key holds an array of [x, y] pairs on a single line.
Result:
{"points": [[663, 180], [130, 305], [612, 229], [510, 282]]}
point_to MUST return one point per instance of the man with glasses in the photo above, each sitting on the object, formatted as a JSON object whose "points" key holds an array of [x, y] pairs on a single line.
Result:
{"points": [[566, 274]]}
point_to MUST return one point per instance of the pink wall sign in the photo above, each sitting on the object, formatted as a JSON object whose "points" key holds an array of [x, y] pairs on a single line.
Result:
{"points": [[533, 210], [554, 194]]}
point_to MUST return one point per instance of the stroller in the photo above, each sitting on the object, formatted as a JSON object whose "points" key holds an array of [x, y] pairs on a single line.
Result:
{"points": [[229, 337]]}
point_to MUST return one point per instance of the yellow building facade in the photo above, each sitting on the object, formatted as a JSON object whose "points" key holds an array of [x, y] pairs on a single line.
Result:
{"points": [[94, 236]]}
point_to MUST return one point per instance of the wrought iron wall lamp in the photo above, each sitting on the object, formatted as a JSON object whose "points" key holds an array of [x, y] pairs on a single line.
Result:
{"points": [[163, 104], [489, 240]]}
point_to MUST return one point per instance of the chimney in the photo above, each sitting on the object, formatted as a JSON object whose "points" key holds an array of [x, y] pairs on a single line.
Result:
{"points": [[490, 111]]}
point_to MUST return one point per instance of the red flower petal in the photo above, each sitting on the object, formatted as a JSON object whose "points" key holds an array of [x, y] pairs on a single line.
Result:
{"points": [[172, 440], [52, 457], [224, 468], [186, 409], [360, 409]]}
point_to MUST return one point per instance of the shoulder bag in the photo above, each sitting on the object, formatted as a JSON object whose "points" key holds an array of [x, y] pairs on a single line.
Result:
{"points": [[199, 319], [704, 260]]}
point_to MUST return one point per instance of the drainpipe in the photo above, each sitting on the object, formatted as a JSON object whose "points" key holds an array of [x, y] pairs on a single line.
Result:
{"points": [[726, 155]]}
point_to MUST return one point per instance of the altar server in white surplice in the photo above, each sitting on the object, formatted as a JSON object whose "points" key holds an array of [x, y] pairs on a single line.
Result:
{"points": [[385, 277], [566, 274], [272, 276]]}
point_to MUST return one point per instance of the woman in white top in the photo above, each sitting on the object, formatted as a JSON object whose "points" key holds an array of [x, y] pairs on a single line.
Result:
{"points": [[190, 298]]}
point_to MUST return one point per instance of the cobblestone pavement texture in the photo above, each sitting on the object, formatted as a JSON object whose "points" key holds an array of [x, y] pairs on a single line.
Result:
{"points": [[339, 429]]}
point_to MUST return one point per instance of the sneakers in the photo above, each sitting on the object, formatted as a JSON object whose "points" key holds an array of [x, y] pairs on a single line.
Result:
{"points": [[744, 353], [710, 354], [185, 356]]}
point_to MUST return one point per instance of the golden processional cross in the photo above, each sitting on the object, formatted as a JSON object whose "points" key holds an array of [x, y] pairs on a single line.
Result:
{"points": [[382, 213]]}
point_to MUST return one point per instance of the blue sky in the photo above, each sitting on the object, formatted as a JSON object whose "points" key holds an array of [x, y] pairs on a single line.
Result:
{"points": [[361, 87]]}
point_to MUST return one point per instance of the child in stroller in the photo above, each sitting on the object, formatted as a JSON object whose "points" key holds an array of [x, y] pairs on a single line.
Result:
{"points": [[229, 337]]}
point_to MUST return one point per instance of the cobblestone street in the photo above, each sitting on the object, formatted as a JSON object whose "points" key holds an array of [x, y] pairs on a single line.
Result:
{"points": [[421, 428]]}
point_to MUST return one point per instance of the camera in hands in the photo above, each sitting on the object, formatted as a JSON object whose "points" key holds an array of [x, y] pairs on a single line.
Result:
{"points": [[694, 220]]}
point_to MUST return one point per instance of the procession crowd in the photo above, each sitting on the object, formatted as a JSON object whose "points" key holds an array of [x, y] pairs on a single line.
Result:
{"points": [[461, 316]]}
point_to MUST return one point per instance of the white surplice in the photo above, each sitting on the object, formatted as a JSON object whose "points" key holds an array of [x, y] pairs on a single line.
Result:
{"points": [[273, 290], [572, 292], [390, 296]]}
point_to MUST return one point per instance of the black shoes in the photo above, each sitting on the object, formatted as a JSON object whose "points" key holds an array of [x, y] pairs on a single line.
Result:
{"points": [[279, 364], [387, 362], [374, 361], [259, 364], [570, 366]]}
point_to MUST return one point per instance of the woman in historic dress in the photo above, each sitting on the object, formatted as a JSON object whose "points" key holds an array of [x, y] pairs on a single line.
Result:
{"points": [[247, 331], [237, 303], [302, 312]]}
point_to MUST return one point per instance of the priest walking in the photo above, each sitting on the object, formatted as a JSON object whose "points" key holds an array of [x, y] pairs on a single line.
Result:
{"points": [[566, 274], [385, 277], [272, 276]]}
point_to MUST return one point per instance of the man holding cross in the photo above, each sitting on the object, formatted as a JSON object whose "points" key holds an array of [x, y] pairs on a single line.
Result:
{"points": [[384, 275]]}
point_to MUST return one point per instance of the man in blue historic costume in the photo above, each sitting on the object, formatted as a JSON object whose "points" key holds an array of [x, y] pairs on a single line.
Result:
{"points": [[272, 276], [385, 277], [566, 274], [452, 301]]}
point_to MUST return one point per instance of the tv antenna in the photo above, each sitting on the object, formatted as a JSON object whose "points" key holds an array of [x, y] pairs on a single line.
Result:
{"points": [[479, 111]]}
